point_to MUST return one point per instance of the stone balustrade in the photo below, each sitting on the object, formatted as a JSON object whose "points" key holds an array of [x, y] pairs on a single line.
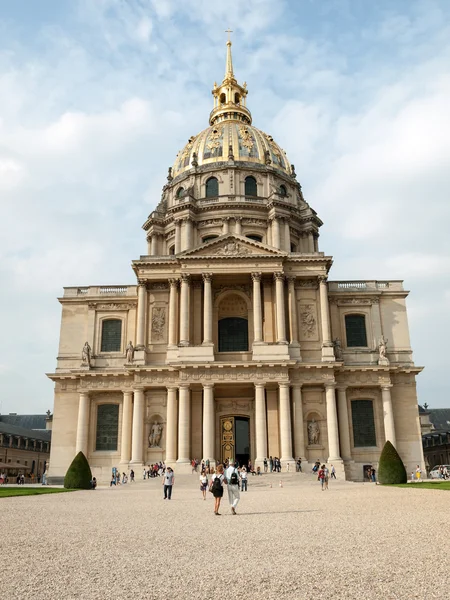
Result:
{"points": [[368, 285], [100, 290]]}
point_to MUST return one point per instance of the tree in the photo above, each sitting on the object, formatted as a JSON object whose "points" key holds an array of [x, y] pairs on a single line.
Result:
{"points": [[79, 475], [391, 468]]}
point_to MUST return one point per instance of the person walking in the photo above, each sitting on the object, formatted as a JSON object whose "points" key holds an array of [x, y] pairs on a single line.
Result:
{"points": [[203, 483], [217, 487], [265, 465], [333, 472], [321, 476], [131, 476], [244, 479], [326, 477], [270, 464], [232, 481], [168, 481]]}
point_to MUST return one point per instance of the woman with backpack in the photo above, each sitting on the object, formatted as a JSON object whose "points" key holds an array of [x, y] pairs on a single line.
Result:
{"points": [[217, 487]]}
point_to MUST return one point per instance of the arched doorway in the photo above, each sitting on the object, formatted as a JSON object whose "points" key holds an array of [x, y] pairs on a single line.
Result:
{"points": [[235, 439]]}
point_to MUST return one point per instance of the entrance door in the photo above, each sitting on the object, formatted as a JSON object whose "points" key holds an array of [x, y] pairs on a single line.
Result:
{"points": [[235, 439]]}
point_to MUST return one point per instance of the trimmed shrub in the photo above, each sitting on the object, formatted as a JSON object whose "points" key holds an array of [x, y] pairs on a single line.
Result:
{"points": [[79, 475], [391, 468]]}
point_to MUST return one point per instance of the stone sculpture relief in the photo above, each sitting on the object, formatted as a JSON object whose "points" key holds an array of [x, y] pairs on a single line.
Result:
{"points": [[313, 433], [158, 322], [154, 438], [86, 355], [129, 352], [232, 248], [382, 359], [337, 349], [307, 320]]}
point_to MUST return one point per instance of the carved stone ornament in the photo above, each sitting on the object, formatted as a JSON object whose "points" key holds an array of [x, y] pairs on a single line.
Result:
{"points": [[232, 249], [307, 320], [112, 306], [307, 283], [159, 285], [154, 439], [129, 353], [246, 137], [158, 322], [86, 355]]}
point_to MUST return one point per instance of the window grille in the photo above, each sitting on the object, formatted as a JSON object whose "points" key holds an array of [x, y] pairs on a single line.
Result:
{"points": [[212, 187], [355, 330], [111, 335], [251, 189], [107, 427], [233, 334], [363, 424]]}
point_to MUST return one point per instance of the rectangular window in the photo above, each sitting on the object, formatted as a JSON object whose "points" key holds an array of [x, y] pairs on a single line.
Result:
{"points": [[107, 427], [111, 335], [363, 424], [355, 330]]}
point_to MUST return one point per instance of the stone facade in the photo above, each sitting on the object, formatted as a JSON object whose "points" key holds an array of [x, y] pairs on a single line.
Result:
{"points": [[233, 342]]}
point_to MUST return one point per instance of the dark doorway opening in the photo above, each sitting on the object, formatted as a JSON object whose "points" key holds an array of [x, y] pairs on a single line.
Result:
{"points": [[242, 437]]}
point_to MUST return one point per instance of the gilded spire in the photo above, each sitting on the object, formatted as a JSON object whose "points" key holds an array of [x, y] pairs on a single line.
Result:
{"points": [[229, 65]]}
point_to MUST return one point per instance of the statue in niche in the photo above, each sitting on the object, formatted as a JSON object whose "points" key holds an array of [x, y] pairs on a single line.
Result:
{"points": [[86, 354], [337, 349], [313, 433], [382, 359], [130, 352], [155, 435]]}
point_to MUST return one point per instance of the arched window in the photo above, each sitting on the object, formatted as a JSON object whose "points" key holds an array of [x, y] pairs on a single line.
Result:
{"points": [[257, 238], [251, 189], [363, 424], [212, 187], [355, 330], [111, 336], [107, 427], [208, 238], [283, 190], [233, 334], [180, 192], [237, 98], [172, 250], [223, 98]]}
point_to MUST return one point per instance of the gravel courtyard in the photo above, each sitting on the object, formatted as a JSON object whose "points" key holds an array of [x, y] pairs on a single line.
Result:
{"points": [[354, 541]]}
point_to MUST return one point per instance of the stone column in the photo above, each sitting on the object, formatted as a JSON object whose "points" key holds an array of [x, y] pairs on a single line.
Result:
{"points": [[154, 245], [287, 235], [285, 423], [184, 424], [276, 237], [208, 422], [389, 426], [344, 428], [149, 245], [127, 415], [238, 225], [141, 310], [311, 242], [332, 423], [188, 231], [327, 345], [173, 302], [260, 423], [257, 310], [137, 440], [184, 309], [83, 424], [171, 426], [299, 432], [177, 236], [226, 226], [293, 318], [207, 310], [281, 319]]}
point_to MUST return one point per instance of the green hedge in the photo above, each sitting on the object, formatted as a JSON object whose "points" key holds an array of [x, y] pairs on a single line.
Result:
{"points": [[79, 475], [391, 468]]}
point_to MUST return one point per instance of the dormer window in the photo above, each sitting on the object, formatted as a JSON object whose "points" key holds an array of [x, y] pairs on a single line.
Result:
{"points": [[180, 192], [212, 188], [283, 191], [251, 189]]}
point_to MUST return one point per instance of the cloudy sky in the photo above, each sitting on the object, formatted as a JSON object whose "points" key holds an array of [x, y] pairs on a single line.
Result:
{"points": [[98, 96]]}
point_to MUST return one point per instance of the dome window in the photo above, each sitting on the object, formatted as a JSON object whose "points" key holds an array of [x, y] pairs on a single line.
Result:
{"points": [[223, 98], [237, 99], [180, 192], [251, 189], [256, 238], [212, 188], [283, 191]]}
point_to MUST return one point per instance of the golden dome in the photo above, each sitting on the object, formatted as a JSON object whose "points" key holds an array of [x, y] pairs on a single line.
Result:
{"points": [[231, 140], [231, 135]]}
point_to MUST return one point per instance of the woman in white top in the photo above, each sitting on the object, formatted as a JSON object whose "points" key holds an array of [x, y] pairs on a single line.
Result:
{"points": [[203, 483], [244, 476]]}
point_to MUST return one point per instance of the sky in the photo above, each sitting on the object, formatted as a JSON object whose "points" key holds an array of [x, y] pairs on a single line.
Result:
{"points": [[98, 96]]}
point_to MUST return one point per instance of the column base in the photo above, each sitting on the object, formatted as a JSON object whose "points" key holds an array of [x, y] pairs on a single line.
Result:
{"points": [[328, 353], [140, 356]]}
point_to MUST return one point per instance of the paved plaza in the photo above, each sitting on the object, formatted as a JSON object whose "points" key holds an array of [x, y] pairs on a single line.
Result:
{"points": [[354, 541]]}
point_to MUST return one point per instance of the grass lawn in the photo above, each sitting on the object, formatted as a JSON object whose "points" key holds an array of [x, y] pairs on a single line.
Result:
{"points": [[441, 485], [6, 492]]}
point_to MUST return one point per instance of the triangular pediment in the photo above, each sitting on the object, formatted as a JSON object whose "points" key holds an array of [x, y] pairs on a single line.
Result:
{"points": [[232, 245]]}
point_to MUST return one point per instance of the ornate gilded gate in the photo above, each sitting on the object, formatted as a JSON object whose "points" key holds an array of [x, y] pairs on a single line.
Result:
{"points": [[227, 437]]}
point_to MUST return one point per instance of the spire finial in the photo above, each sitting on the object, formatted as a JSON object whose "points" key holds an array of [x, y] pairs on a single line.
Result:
{"points": [[229, 65]]}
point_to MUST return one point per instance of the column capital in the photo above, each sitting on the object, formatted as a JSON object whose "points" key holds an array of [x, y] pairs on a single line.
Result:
{"points": [[256, 276], [207, 277], [278, 276], [386, 387], [173, 282], [138, 388], [296, 385], [85, 393], [322, 278], [185, 277], [237, 219], [177, 221], [341, 387], [330, 385], [291, 279], [284, 385], [171, 387], [127, 392], [184, 386], [142, 283], [260, 385], [208, 385]]}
